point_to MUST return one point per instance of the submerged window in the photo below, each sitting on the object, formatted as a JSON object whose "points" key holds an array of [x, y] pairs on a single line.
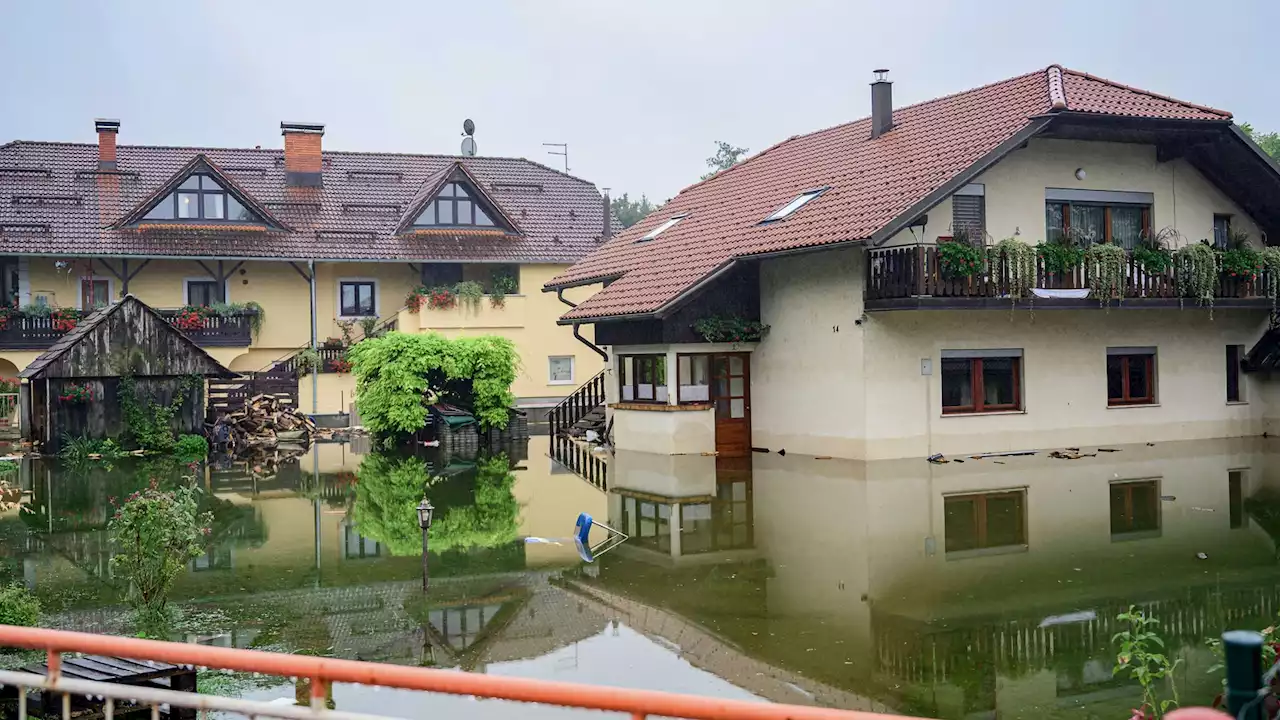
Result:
{"points": [[200, 197], [643, 378], [1135, 508], [662, 228], [1131, 376], [790, 208], [981, 381], [454, 205], [985, 520], [1124, 225]]}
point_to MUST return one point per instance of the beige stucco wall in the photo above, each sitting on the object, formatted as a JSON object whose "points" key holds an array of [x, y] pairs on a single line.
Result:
{"points": [[1183, 198], [808, 385], [665, 433]]}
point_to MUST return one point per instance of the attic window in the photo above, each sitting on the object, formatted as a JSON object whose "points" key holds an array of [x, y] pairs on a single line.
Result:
{"points": [[453, 205], [200, 197], [662, 228], [787, 210]]}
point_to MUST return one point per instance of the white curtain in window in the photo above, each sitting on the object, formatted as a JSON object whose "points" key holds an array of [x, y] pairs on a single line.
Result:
{"points": [[1126, 226], [1087, 223]]}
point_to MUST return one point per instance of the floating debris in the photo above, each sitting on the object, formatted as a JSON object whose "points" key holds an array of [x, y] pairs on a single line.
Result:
{"points": [[1070, 454], [1202, 556], [1108, 449], [937, 459]]}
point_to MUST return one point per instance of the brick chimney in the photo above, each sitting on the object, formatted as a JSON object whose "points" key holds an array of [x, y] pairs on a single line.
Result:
{"points": [[107, 131], [303, 163], [881, 104], [607, 233]]}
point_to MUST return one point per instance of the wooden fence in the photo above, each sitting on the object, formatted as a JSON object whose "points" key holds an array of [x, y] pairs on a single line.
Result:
{"points": [[228, 396]]}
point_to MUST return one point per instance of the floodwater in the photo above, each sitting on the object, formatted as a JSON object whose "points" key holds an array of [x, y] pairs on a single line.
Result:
{"points": [[983, 588]]}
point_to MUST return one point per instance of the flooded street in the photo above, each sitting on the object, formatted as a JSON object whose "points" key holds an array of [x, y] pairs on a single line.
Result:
{"points": [[983, 588]]}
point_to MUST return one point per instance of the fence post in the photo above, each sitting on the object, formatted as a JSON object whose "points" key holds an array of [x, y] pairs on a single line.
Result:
{"points": [[1243, 652]]}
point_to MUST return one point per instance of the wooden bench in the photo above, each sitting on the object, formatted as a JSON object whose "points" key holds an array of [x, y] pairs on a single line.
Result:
{"points": [[101, 668]]}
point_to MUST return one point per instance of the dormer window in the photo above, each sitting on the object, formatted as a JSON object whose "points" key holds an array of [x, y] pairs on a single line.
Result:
{"points": [[790, 208], [200, 197], [662, 228], [454, 205]]}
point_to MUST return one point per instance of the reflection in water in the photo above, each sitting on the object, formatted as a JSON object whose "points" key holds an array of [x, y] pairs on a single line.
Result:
{"points": [[988, 587]]}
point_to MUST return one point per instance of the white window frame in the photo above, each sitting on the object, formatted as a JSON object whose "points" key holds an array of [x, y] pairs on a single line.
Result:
{"points": [[573, 369], [665, 226], [186, 294], [111, 289], [793, 205], [337, 297]]}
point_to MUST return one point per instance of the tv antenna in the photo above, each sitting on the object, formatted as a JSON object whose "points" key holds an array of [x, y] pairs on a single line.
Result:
{"points": [[468, 141], [564, 150]]}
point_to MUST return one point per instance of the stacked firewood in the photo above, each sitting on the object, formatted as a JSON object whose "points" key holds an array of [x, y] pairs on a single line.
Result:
{"points": [[264, 421]]}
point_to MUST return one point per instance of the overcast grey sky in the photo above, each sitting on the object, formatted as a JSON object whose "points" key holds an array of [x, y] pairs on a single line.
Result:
{"points": [[639, 89]]}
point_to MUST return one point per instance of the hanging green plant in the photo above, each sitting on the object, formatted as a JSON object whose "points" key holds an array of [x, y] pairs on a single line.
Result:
{"points": [[1107, 266], [1271, 273], [1196, 268], [1015, 262], [958, 259], [1059, 257], [470, 293]]}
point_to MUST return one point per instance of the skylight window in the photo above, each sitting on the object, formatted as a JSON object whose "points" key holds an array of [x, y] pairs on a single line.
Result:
{"points": [[787, 210], [662, 228]]}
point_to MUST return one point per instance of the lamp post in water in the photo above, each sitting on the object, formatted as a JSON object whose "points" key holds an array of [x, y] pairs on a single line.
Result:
{"points": [[425, 509]]}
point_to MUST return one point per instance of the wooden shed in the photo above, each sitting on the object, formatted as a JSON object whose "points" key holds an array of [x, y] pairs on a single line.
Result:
{"points": [[72, 389]]}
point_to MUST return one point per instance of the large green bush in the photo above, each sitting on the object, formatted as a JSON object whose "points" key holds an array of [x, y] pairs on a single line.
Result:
{"points": [[387, 495], [157, 532], [18, 606], [399, 374]]}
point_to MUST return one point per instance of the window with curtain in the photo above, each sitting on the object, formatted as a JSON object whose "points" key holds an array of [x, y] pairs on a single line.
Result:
{"points": [[1087, 223], [989, 383], [202, 292], [1221, 231], [694, 375]]}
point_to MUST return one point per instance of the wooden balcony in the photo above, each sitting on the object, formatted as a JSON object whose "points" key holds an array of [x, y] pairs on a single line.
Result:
{"points": [[908, 278], [38, 333]]}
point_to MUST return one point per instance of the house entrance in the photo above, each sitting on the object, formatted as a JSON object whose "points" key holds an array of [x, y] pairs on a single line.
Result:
{"points": [[731, 395]]}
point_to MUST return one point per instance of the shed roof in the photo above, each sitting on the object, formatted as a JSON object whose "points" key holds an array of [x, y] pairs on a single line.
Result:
{"points": [[95, 329]]}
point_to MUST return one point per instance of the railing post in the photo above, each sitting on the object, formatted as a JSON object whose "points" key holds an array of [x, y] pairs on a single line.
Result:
{"points": [[1242, 650]]}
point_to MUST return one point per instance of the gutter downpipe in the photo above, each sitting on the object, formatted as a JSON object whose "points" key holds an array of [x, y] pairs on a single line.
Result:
{"points": [[315, 372], [577, 328]]}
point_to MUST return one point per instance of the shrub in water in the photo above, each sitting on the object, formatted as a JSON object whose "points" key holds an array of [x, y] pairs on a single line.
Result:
{"points": [[18, 606], [156, 533], [191, 447]]}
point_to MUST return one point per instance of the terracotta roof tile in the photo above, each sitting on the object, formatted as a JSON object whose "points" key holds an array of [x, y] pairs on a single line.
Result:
{"points": [[871, 182], [559, 217]]}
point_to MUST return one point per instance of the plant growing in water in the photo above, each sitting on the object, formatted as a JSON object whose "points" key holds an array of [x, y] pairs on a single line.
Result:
{"points": [[960, 258], [1140, 652], [156, 533], [730, 328], [191, 448], [1107, 266], [1196, 268]]}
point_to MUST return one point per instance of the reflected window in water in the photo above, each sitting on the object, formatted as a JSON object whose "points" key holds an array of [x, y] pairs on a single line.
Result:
{"points": [[1135, 509], [217, 558], [1236, 481], [461, 626], [982, 521], [356, 546]]}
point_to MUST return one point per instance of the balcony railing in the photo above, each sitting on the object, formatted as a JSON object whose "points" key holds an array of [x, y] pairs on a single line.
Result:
{"points": [[38, 333], [910, 277]]}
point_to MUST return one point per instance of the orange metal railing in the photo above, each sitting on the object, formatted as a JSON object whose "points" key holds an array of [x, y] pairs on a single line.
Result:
{"points": [[324, 671]]}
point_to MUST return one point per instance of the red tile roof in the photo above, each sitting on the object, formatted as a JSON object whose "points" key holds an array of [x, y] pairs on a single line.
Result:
{"points": [[871, 181], [559, 218]]}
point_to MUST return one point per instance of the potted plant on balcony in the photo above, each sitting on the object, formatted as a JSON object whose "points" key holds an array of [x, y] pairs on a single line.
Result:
{"points": [[441, 298], [730, 328], [7, 314], [189, 318], [1241, 264], [1060, 255], [1107, 267], [960, 257], [471, 293], [64, 319], [1195, 267], [333, 343], [503, 284]]}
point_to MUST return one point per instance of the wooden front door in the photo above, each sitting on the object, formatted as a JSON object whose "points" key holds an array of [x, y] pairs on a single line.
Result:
{"points": [[731, 394]]}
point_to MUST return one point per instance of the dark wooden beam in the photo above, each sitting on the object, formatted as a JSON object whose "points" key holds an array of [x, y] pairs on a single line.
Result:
{"points": [[300, 271]]}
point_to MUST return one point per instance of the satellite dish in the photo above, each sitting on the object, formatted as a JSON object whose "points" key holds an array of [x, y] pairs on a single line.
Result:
{"points": [[468, 127], [469, 146]]}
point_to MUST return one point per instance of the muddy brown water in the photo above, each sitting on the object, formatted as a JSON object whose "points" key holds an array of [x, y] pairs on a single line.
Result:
{"points": [[984, 588]]}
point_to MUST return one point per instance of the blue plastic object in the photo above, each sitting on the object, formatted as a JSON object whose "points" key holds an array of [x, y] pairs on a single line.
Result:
{"points": [[581, 531]]}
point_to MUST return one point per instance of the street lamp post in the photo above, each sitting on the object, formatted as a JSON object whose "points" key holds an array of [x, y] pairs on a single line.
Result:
{"points": [[425, 509]]}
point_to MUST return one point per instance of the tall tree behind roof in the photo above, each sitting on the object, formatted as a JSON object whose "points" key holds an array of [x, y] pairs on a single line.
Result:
{"points": [[628, 211], [1270, 142], [726, 157]]}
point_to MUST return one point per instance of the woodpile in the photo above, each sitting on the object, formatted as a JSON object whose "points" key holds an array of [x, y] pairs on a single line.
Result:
{"points": [[264, 422]]}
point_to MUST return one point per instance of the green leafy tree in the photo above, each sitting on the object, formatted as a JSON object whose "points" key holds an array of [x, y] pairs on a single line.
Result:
{"points": [[156, 532], [399, 374], [726, 157], [494, 517], [628, 211], [1269, 142], [18, 606]]}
